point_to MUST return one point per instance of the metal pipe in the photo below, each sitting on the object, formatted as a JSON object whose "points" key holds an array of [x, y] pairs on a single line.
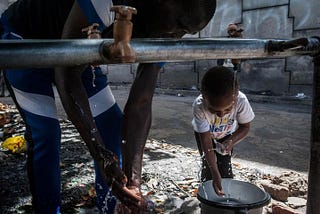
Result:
{"points": [[153, 50], [55, 53], [50, 53], [313, 205], [195, 49]]}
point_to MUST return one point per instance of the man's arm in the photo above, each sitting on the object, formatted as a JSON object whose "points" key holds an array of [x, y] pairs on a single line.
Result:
{"points": [[75, 101], [69, 84], [137, 121]]}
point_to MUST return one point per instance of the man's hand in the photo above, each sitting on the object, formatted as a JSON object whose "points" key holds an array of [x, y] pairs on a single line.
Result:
{"points": [[114, 177], [131, 199], [142, 204]]}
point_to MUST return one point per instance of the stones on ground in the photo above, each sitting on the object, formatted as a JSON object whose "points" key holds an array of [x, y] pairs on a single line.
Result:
{"points": [[277, 192], [295, 182], [170, 175], [296, 202], [281, 209]]}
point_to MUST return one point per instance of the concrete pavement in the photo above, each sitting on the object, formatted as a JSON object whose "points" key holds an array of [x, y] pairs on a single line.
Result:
{"points": [[279, 138]]}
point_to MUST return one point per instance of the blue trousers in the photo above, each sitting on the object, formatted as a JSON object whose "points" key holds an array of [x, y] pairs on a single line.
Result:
{"points": [[33, 92]]}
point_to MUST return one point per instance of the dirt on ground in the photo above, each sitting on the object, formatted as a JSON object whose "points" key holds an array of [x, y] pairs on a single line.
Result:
{"points": [[170, 175]]}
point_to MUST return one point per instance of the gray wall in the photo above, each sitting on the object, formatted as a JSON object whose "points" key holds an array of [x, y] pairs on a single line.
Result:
{"points": [[3, 5], [280, 19]]}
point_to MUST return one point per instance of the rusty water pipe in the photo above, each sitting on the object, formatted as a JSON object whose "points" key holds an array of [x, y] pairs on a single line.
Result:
{"points": [[52, 53]]}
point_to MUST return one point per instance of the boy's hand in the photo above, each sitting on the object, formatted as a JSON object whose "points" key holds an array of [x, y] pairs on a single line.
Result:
{"points": [[221, 148], [228, 145], [216, 183]]}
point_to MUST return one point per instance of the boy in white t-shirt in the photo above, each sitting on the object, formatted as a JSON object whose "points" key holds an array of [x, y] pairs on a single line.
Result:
{"points": [[221, 118]]}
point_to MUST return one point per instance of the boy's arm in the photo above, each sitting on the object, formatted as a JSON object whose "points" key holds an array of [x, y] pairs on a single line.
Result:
{"points": [[208, 151], [237, 136]]}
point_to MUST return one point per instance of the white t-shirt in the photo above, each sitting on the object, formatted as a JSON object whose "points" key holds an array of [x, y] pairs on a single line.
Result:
{"points": [[219, 127]]}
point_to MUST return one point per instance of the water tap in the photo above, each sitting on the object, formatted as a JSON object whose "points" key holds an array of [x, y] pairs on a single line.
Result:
{"points": [[121, 50], [235, 31], [92, 31]]}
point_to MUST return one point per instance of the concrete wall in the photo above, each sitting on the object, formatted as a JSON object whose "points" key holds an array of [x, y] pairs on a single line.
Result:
{"points": [[3, 5], [260, 19]]}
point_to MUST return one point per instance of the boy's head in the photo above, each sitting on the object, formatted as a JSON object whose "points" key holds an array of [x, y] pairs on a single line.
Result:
{"points": [[219, 88]]}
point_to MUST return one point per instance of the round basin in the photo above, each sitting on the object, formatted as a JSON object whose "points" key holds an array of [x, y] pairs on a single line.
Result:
{"points": [[240, 197]]}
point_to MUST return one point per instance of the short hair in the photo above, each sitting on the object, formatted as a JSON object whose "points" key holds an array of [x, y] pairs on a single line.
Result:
{"points": [[219, 81], [157, 17]]}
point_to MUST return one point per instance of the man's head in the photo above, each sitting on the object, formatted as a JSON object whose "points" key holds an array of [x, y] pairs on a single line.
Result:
{"points": [[171, 18], [219, 88]]}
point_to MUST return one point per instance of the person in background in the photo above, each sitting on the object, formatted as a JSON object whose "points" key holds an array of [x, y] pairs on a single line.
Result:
{"points": [[234, 31], [221, 118]]}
